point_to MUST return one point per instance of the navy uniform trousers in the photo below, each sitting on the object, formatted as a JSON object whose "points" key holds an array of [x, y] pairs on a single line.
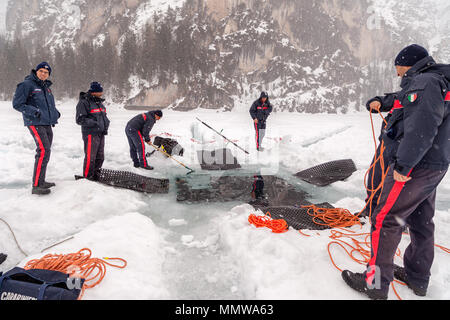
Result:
{"points": [[137, 147], [94, 154], [411, 204], [43, 137]]}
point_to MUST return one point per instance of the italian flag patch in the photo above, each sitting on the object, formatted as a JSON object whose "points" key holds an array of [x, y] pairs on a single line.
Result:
{"points": [[412, 97]]}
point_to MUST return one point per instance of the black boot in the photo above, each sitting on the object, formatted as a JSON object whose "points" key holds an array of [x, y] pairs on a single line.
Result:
{"points": [[40, 191], [147, 167], [400, 274], [357, 281], [2, 257], [136, 165], [47, 185]]}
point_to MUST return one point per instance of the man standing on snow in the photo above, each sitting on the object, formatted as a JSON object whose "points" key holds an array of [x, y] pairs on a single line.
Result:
{"points": [[35, 100], [137, 131], [260, 111], [91, 116], [418, 136]]}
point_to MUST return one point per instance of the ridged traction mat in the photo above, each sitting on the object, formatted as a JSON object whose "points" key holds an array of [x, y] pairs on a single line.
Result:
{"points": [[131, 181], [296, 217], [328, 173]]}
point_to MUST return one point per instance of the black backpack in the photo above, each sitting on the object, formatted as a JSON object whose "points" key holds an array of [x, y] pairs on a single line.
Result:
{"points": [[171, 146], [39, 284]]}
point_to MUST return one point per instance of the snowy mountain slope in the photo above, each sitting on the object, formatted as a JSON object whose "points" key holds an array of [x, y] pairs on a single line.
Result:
{"points": [[205, 251], [317, 56], [309, 54]]}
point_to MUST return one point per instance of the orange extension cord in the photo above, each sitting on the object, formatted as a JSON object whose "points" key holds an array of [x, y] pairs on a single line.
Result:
{"points": [[77, 265]]}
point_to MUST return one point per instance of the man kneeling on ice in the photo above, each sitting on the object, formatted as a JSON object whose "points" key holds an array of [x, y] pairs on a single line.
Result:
{"points": [[91, 116], [137, 131], [418, 137]]}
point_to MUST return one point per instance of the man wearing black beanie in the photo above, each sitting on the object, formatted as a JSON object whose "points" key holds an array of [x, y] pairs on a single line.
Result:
{"points": [[418, 138], [35, 100], [91, 116]]}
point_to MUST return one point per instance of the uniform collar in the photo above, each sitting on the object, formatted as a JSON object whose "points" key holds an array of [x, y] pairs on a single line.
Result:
{"points": [[95, 99], [418, 68]]}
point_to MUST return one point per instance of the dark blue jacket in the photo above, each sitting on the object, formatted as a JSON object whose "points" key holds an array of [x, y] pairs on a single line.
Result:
{"points": [[261, 111], [91, 115], [143, 123], [35, 100], [418, 132]]}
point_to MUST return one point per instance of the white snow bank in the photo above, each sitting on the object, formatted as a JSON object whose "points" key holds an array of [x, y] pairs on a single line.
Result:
{"points": [[132, 237]]}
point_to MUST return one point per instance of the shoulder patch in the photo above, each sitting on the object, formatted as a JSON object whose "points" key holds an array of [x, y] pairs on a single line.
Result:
{"points": [[412, 97]]}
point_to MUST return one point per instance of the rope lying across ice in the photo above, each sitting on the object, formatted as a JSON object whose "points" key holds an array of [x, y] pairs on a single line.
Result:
{"points": [[14, 236]]}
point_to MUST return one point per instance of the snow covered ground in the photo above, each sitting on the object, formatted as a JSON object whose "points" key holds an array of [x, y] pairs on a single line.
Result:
{"points": [[181, 251]]}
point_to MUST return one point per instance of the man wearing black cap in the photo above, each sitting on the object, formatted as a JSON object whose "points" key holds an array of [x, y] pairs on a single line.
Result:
{"points": [[91, 116], [137, 131], [34, 99], [260, 111], [418, 137]]}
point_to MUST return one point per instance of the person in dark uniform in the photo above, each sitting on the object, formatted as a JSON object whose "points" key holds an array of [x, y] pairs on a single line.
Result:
{"points": [[260, 111], [137, 131], [258, 188], [34, 99], [91, 116], [418, 135]]}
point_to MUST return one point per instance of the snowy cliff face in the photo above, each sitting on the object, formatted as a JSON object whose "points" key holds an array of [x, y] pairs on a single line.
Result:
{"points": [[56, 22], [314, 56]]}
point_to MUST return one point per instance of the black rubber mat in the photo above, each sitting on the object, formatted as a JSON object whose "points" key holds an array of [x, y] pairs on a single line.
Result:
{"points": [[296, 217], [171, 146], [276, 191], [132, 181], [221, 159], [328, 173]]}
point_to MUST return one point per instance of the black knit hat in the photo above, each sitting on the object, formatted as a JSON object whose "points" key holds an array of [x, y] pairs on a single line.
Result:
{"points": [[159, 113], [410, 55], [44, 65], [264, 95], [96, 87]]}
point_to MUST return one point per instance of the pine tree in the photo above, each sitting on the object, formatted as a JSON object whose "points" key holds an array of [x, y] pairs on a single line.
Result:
{"points": [[105, 59], [127, 61], [86, 64], [147, 56]]}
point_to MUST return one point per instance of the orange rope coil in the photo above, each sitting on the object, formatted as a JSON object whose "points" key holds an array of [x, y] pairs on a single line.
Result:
{"points": [[277, 226], [333, 218], [77, 265]]}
